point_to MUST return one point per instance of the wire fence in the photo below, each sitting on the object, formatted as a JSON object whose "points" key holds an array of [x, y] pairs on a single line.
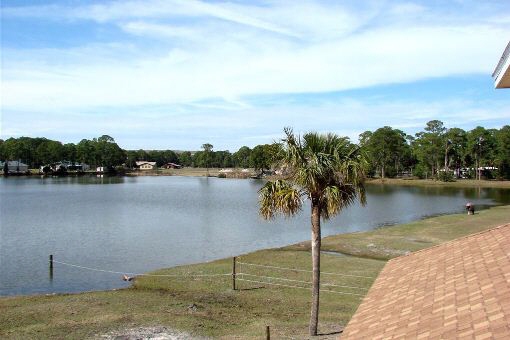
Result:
{"points": [[298, 278], [303, 270], [187, 275], [253, 273]]}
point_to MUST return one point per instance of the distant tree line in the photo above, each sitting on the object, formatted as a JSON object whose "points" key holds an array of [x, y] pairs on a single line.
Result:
{"points": [[435, 152], [438, 152], [260, 157], [104, 151], [101, 151]]}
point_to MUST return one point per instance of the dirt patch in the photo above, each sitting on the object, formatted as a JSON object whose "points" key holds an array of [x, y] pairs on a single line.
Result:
{"points": [[145, 333]]}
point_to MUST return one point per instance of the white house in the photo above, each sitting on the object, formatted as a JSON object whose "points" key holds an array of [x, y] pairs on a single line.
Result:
{"points": [[501, 74], [143, 165], [64, 166]]}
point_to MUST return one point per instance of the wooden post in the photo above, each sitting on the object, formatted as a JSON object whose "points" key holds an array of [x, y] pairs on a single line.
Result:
{"points": [[268, 334], [51, 267], [234, 273]]}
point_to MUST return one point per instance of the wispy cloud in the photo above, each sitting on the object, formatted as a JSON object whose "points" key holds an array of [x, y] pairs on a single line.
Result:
{"points": [[207, 61], [72, 78], [179, 127]]}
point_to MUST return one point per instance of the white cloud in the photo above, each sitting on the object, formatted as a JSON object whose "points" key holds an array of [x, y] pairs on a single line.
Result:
{"points": [[143, 28], [233, 68], [193, 56]]}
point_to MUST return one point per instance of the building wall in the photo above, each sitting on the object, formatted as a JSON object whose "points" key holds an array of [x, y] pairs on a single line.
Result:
{"points": [[146, 167]]}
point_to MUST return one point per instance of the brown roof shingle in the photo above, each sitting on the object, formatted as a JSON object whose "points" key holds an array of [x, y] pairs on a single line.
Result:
{"points": [[459, 289]]}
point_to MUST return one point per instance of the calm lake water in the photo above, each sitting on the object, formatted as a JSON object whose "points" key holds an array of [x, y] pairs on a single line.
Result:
{"points": [[138, 224]]}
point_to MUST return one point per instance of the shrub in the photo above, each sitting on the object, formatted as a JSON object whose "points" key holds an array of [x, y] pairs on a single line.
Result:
{"points": [[445, 176], [420, 171]]}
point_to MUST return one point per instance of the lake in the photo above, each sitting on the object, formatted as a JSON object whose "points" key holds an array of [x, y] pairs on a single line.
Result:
{"points": [[138, 224]]}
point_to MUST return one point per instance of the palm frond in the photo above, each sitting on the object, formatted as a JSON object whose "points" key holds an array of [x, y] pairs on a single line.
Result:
{"points": [[279, 197], [336, 197]]}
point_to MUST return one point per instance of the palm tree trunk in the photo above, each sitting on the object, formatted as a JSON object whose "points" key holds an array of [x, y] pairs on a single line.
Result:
{"points": [[316, 266]]}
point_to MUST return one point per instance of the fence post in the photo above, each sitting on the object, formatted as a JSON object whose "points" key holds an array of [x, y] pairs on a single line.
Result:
{"points": [[234, 273], [268, 334], [51, 267]]}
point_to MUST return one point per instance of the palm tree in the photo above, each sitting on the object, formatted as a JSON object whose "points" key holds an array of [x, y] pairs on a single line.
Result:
{"points": [[207, 149], [327, 170]]}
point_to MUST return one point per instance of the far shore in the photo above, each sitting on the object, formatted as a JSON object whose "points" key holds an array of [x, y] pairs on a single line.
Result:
{"points": [[251, 173], [207, 306], [214, 172]]}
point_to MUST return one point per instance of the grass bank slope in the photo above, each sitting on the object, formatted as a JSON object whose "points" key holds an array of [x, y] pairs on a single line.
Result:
{"points": [[208, 306]]}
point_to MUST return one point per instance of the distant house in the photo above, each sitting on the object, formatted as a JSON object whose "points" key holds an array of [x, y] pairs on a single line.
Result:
{"points": [[501, 74], [143, 165], [14, 167], [78, 167], [171, 166], [456, 290], [63, 166]]}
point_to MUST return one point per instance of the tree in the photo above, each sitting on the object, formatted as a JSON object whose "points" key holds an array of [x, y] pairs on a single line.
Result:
{"points": [[207, 150], [185, 158], [86, 153], [112, 155], [108, 153], [455, 148], [481, 147], [21, 148], [131, 158], [503, 158], [3, 156], [326, 169], [386, 148], [222, 159], [49, 151], [169, 156], [142, 155], [429, 145], [241, 158], [69, 151]]}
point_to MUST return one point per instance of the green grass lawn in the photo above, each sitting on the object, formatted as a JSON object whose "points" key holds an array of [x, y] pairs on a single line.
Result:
{"points": [[209, 306]]}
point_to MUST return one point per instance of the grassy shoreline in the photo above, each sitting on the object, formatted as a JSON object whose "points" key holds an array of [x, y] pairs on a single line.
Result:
{"points": [[208, 306], [462, 183]]}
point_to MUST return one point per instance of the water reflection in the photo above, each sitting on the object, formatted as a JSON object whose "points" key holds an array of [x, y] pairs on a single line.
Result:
{"points": [[498, 195], [83, 180]]}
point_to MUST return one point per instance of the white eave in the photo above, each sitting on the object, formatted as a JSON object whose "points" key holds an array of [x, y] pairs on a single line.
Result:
{"points": [[501, 74]]}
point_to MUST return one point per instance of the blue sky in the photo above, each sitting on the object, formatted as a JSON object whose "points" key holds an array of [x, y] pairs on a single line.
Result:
{"points": [[174, 74]]}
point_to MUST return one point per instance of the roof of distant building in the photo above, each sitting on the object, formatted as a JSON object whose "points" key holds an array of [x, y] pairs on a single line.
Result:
{"points": [[13, 163], [139, 163]]}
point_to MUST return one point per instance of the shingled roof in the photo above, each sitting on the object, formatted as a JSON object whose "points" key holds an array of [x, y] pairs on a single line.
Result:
{"points": [[459, 289]]}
